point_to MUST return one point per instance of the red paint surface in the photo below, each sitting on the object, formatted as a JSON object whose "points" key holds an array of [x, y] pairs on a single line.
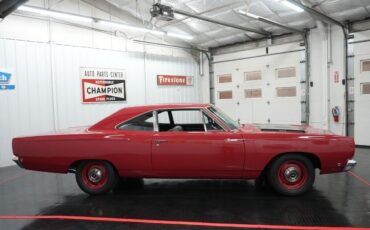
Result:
{"points": [[174, 222], [185, 154]]}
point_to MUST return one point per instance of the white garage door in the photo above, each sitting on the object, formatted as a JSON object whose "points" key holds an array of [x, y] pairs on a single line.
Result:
{"points": [[362, 99], [264, 89]]}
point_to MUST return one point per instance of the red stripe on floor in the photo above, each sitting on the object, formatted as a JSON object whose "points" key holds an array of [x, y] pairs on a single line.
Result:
{"points": [[359, 178], [174, 222]]}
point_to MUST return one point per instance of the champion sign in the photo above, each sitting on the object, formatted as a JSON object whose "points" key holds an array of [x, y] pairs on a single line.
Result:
{"points": [[103, 85], [174, 80]]}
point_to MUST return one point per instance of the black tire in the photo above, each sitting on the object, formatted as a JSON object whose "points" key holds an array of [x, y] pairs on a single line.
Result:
{"points": [[291, 174], [96, 177]]}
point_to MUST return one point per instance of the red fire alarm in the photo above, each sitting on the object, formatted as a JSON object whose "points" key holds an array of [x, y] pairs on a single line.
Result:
{"points": [[336, 77]]}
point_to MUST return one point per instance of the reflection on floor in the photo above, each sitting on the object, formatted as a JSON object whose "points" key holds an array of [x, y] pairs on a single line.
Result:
{"points": [[336, 200]]}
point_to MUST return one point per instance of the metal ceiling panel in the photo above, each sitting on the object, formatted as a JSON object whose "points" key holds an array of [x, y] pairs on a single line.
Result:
{"points": [[206, 34]]}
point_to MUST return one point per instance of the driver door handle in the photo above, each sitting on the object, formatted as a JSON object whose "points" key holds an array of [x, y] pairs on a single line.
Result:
{"points": [[157, 142], [234, 140]]}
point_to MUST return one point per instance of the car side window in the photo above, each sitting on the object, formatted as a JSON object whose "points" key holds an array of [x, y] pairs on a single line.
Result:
{"points": [[142, 123]]}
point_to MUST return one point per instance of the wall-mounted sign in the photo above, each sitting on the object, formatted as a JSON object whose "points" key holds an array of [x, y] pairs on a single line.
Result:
{"points": [[174, 80], [103, 85], [5, 80]]}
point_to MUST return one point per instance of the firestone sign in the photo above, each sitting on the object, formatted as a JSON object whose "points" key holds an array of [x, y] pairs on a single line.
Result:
{"points": [[174, 80], [101, 85]]}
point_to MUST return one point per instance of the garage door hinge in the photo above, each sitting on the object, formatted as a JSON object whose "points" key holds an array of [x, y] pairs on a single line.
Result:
{"points": [[351, 123], [303, 61], [350, 36], [302, 82], [303, 102], [350, 56], [351, 101], [303, 122], [351, 79]]}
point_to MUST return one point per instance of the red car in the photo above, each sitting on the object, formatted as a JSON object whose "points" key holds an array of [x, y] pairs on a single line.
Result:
{"points": [[186, 141]]}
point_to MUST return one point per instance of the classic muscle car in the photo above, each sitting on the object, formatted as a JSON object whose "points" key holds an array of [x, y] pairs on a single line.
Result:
{"points": [[186, 141]]}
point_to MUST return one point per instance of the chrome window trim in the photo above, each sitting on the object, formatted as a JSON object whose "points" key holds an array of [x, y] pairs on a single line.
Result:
{"points": [[216, 119], [205, 110], [156, 127], [132, 118], [204, 122]]}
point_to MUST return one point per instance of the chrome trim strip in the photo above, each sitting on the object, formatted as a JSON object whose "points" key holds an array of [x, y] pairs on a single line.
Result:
{"points": [[224, 126], [203, 120], [155, 115]]}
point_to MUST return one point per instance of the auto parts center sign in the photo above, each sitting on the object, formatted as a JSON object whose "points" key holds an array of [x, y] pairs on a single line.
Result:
{"points": [[100, 85]]}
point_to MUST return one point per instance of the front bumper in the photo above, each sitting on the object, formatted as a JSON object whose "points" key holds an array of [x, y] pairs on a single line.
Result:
{"points": [[17, 161], [350, 165]]}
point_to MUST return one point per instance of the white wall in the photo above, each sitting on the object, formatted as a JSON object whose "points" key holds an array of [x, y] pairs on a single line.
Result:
{"points": [[325, 93], [45, 59]]}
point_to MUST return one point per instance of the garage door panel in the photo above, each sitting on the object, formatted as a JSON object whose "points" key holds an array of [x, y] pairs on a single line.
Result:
{"points": [[362, 99], [255, 84]]}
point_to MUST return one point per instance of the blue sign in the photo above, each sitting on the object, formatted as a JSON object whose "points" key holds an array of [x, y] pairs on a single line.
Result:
{"points": [[4, 81], [4, 77], [7, 87]]}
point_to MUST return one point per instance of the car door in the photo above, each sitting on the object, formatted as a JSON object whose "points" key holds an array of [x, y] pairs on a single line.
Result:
{"points": [[196, 149]]}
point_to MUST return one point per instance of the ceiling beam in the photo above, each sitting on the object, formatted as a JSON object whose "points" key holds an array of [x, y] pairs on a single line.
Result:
{"points": [[316, 14], [268, 21], [220, 22], [8, 6], [173, 22]]}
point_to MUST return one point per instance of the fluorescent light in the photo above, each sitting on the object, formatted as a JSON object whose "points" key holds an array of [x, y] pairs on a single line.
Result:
{"points": [[144, 30], [242, 12], [292, 6], [122, 26], [182, 36], [128, 27], [55, 14], [73, 17]]}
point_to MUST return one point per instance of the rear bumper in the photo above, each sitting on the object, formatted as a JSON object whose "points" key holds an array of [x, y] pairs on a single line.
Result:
{"points": [[17, 161], [350, 165]]}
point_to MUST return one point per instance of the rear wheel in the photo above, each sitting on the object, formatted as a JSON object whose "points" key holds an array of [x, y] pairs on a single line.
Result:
{"points": [[96, 177], [291, 174]]}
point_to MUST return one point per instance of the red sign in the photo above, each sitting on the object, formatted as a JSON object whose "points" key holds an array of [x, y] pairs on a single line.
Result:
{"points": [[174, 80], [336, 77]]}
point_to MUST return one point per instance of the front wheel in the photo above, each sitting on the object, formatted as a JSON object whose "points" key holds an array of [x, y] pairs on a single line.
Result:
{"points": [[291, 174], [96, 177]]}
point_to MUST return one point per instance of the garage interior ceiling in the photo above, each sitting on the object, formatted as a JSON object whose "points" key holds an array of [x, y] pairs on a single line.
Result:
{"points": [[193, 32], [206, 35]]}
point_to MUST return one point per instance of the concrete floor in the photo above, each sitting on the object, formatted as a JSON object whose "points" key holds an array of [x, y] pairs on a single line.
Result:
{"points": [[336, 200]]}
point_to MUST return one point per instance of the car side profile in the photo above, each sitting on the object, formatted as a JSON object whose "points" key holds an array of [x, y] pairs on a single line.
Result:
{"points": [[186, 141]]}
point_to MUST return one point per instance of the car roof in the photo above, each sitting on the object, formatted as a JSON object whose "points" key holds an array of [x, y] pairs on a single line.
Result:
{"points": [[132, 111], [165, 106]]}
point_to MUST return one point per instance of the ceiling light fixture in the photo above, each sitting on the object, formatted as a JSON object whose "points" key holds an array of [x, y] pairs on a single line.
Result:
{"points": [[248, 14], [144, 30], [73, 17], [291, 5], [181, 36], [55, 14]]}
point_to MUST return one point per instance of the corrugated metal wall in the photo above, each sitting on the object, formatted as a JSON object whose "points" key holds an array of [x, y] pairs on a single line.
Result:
{"points": [[42, 70]]}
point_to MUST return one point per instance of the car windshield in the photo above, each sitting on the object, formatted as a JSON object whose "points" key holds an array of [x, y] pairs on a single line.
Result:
{"points": [[225, 118]]}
